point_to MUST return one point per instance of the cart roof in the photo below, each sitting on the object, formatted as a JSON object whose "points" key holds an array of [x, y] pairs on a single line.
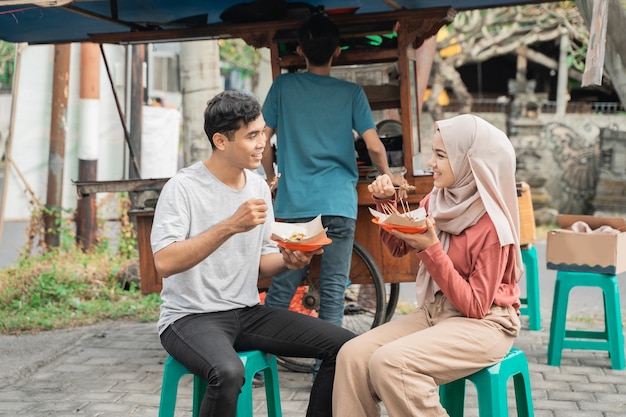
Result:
{"points": [[128, 21]]}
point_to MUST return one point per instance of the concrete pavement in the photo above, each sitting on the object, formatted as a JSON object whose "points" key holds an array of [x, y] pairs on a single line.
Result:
{"points": [[115, 369]]}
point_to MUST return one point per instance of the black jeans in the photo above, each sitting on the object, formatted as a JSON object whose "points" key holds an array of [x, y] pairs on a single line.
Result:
{"points": [[207, 345]]}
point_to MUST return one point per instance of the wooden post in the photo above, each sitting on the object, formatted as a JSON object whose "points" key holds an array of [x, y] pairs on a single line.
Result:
{"points": [[594, 61], [56, 154], [561, 86]]}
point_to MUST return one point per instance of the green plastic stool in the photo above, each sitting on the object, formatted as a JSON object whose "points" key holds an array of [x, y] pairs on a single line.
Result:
{"points": [[531, 306], [491, 386], [610, 339], [253, 361]]}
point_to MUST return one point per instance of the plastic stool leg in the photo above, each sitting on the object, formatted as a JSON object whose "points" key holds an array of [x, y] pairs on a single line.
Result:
{"points": [[518, 368], [613, 323], [272, 389], [492, 391], [451, 396], [244, 402], [523, 393], [557, 323], [172, 373], [199, 388], [255, 361], [533, 305]]}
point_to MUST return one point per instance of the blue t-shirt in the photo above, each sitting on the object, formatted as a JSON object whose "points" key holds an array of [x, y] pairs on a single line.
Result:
{"points": [[314, 117]]}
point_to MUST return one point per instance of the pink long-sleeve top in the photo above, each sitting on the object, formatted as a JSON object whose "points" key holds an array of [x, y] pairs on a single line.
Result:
{"points": [[474, 274]]}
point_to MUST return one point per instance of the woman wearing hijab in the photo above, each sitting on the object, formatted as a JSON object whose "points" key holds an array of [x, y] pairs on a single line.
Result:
{"points": [[467, 314]]}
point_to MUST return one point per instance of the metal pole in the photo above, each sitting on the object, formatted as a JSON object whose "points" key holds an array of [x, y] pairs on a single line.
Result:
{"points": [[120, 112], [86, 221], [136, 107]]}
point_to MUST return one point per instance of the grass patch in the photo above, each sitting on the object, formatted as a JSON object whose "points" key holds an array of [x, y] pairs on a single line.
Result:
{"points": [[62, 288]]}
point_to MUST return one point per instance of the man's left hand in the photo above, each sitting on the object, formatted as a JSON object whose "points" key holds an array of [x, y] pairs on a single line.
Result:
{"points": [[295, 259]]}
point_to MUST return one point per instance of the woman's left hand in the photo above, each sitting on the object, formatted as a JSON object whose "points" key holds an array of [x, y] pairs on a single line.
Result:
{"points": [[419, 241]]}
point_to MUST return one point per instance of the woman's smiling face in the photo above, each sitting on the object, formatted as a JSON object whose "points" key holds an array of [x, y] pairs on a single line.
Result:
{"points": [[440, 164]]}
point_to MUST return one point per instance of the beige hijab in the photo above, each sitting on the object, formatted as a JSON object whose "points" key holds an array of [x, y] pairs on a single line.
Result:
{"points": [[483, 161]]}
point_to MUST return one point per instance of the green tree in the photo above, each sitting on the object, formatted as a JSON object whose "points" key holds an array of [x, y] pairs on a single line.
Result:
{"points": [[236, 54], [7, 64]]}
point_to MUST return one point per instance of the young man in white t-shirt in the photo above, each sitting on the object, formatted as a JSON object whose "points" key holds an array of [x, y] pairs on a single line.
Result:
{"points": [[211, 243]]}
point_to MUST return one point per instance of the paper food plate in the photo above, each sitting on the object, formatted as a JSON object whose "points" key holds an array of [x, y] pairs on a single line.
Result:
{"points": [[304, 237], [402, 223]]}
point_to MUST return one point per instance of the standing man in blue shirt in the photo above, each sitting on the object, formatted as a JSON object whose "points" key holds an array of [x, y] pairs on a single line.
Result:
{"points": [[313, 116]]}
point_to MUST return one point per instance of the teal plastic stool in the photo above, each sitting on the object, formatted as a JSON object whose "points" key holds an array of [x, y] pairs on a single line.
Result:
{"points": [[253, 361], [491, 386], [610, 339], [531, 306]]}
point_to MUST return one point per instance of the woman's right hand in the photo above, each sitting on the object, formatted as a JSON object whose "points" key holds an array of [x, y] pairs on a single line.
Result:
{"points": [[382, 187]]}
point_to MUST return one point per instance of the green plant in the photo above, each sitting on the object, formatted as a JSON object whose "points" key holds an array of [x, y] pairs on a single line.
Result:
{"points": [[127, 245], [7, 64], [63, 286], [237, 54], [66, 289]]}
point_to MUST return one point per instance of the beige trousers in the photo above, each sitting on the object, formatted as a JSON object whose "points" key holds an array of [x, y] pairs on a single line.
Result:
{"points": [[403, 362]]}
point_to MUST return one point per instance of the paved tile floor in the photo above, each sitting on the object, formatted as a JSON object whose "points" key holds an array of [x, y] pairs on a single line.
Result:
{"points": [[115, 369]]}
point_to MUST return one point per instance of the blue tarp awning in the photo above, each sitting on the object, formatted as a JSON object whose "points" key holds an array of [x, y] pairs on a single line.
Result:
{"points": [[58, 21]]}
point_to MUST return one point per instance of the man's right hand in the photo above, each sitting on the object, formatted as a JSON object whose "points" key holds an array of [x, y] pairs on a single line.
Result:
{"points": [[250, 214]]}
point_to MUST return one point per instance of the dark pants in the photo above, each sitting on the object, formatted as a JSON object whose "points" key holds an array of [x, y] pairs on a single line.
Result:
{"points": [[207, 345]]}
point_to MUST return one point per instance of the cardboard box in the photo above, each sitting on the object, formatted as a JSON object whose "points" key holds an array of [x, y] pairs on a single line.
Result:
{"points": [[601, 253]]}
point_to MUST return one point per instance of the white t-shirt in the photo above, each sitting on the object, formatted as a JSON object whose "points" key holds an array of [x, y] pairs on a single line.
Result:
{"points": [[190, 203]]}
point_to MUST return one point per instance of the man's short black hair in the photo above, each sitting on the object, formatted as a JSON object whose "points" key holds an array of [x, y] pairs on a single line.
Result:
{"points": [[318, 38], [227, 112]]}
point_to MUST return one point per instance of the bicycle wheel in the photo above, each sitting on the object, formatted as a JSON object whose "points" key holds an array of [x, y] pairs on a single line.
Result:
{"points": [[393, 293], [365, 295], [364, 300]]}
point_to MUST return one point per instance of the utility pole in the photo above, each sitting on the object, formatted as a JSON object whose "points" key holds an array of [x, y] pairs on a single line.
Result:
{"points": [[56, 155]]}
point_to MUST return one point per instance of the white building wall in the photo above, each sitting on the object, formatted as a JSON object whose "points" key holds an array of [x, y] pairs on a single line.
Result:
{"points": [[31, 140]]}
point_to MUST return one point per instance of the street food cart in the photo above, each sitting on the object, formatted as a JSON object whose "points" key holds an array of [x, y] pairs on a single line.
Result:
{"points": [[403, 31], [409, 29], [373, 291]]}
